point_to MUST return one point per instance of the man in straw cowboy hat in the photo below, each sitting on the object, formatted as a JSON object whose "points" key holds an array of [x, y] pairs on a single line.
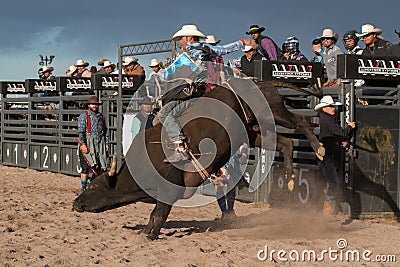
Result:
{"points": [[82, 70], [331, 51], [333, 137], [268, 48], [107, 67], [155, 66], [93, 140], [189, 37], [374, 43], [45, 73], [131, 66]]}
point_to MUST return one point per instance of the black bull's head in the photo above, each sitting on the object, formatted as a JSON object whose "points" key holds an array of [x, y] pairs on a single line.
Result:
{"points": [[112, 191]]}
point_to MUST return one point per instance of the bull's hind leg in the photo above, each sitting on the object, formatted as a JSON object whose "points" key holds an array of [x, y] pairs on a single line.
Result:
{"points": [[157, 219], [285, 146], [302, 125], [296, 121]]}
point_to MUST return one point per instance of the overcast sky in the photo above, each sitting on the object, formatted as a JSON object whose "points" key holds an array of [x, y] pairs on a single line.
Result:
{"points": [[92, 30]]}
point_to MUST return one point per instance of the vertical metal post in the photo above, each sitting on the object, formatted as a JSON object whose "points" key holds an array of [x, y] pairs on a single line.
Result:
{"points": [[28, 126], [2, 126], [119, 110]]}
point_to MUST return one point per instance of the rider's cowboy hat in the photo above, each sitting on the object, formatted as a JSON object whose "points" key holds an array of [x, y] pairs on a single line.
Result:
{"points": [[211, 40], [47, 68], [328, 33], [154, 63], [93, 100], [129, 60], [81, 62], [188, 30], [327, 101], [108, 64], [367, 29], [255, 29]]}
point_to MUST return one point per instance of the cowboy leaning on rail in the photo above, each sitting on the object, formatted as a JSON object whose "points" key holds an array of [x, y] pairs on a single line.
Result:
{"points": [[93, 140], [189, 37]]}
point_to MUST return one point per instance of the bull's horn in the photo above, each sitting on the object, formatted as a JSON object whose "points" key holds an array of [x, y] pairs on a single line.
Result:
{"points": [[113, 168]]}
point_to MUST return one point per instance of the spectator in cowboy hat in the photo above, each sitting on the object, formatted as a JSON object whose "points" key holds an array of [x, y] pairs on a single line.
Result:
{"points": [[333, 137], [132, 67], [247, 62], [331, 50], [268, 48], [107, 68], [154, 82], [155, 66], [82, 70], [101, 62], [45, 73], [375, 45], [210, 39], [72, 71]]}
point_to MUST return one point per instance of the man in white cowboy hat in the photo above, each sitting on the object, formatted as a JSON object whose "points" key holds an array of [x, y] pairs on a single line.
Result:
{"points": [[131, 66], [82, 70], [333, 137], [331, 50], [268, 48], [155, 66], [45, 73], [72, 71], [375, 45], [108, 67], [210, 39], [93, 140], [247, 62]]}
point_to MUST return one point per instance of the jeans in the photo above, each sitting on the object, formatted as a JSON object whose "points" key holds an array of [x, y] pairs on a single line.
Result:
{"points": [[225, 202], [168, 116], [328, 170]]}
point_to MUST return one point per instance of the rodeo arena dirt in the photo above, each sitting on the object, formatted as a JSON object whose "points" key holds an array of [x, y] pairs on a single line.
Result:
{"points": [[281, 217], [38, 228]]}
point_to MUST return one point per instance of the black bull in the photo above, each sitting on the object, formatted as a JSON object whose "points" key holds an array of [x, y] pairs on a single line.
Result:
{"points": [[108, 192]]}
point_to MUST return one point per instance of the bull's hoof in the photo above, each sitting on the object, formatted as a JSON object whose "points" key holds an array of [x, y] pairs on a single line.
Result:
{"points": [[290, 185], [152, 237]]}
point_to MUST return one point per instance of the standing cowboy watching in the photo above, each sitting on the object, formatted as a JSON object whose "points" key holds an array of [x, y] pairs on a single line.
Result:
{"points": [[93, 140]]}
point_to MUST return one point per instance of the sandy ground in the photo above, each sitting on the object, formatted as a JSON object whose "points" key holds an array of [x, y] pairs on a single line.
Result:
{"points": [[38, 228]]}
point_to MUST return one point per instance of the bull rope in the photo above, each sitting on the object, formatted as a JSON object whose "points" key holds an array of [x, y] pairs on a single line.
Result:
{"points": [[199, 168], [240, 103]]}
